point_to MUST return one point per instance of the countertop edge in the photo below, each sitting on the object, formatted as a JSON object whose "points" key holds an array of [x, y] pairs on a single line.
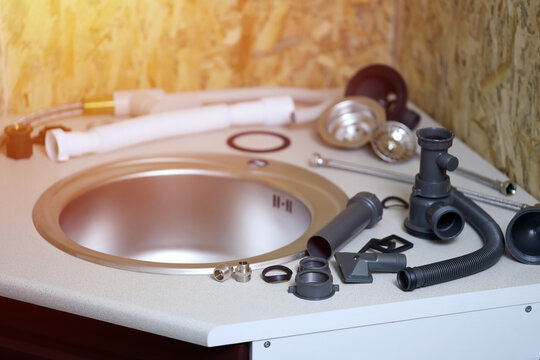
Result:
{"points": [[134, 317], [371, 315]]}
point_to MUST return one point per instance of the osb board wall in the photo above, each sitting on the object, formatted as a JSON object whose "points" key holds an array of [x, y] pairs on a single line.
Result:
{"points": [[475, 67], [59, 51]]}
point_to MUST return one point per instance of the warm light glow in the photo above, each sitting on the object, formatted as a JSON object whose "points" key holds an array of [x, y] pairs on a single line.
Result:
{"points": [[62, 51]]}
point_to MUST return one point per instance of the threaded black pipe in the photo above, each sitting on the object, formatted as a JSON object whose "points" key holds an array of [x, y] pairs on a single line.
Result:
{"points": [[411, 278]]}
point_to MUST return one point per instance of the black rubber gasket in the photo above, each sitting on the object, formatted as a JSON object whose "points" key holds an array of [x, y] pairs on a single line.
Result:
{"points": [[231, 141], [277, 278], [401, 202]]}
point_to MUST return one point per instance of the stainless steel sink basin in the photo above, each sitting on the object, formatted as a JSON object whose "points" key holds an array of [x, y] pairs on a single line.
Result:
{"points": [[187, 214]]}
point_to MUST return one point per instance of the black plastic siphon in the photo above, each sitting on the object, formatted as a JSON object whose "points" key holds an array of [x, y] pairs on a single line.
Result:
{"points": [[437, 210], [479, 260], [431, 212]]}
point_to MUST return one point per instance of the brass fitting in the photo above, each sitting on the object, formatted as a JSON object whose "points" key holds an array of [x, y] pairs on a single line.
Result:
{"points": [[18, 141], [98, 107]]}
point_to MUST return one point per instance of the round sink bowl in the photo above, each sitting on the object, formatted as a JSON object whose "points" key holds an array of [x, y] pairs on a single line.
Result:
{"points": [[187, 214]]}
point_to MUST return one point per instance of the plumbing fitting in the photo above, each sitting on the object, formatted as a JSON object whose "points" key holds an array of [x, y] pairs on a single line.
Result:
{"points": [[242, 272], [285, 275], [61, 146], [437, 210], [348, 122], [363, 210], [524, 222], [504, 187], [18, 141], [313, 280], [313, 263], [39, 139], [313, 285], [386, 86], [222, 272], [523, 236], [399, 202], [357, 267], [409, 279], [318, 161], [431, 213], [393, 142], [285, 141]]}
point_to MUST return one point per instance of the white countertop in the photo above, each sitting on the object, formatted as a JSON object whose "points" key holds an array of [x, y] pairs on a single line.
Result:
{"points": [[197, 309]]}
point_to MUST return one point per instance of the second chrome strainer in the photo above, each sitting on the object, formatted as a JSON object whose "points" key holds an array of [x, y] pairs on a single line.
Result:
{"points": [[393, 142]]}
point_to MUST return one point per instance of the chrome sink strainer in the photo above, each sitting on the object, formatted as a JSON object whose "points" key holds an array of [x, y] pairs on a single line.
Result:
{"points": [[393, 142], [348, 122], [187, 214]]}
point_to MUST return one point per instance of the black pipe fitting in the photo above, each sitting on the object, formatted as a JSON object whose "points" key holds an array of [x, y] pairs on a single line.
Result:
{"points": [[363, 210], [385, 85], [431, 212], [479, 260], [357, 267], [313, 285], [523, 235], [438, 210], [445, 221]]}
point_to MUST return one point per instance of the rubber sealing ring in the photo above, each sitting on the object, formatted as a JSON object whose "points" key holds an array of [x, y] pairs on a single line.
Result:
{"points": [[402, 203], [231, 141], [277, 278]]}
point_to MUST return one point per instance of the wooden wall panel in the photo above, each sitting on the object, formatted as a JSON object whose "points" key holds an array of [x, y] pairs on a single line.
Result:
{"points": [[59, 51], [475, 67]]}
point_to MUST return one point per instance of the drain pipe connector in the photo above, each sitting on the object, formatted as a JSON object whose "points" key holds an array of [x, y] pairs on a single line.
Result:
{"points": [[431, 212], [363, 211], [60, 145], [438, 210]]}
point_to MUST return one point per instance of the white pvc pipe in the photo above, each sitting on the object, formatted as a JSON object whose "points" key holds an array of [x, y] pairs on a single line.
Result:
{"points": [[151, 101], [60, 145]]}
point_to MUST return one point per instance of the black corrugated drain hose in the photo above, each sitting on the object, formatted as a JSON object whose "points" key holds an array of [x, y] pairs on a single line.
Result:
{"points": [[409, 279]]}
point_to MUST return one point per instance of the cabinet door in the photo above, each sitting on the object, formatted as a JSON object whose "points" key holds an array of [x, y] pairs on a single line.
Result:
{"points": [[28, 331]]}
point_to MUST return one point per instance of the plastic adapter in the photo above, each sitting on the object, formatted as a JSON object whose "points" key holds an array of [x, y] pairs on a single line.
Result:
{"points": [[357, 268]]}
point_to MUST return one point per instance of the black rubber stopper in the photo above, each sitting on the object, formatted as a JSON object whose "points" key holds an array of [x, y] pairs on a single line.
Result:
{"points": [[386, 86]]}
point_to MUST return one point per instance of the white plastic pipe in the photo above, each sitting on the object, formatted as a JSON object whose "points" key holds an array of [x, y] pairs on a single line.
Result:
{"points": [[61, 146], [151, 101]]}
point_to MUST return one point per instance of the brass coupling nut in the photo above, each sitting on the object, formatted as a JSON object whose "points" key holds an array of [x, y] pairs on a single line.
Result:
{"points": [[242, 272]]}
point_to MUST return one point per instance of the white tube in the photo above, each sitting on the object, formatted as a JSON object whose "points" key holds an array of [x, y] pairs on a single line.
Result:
{"points": [[151, 101], [60, 145], [137, 102], [251, 93], [311, 113]]}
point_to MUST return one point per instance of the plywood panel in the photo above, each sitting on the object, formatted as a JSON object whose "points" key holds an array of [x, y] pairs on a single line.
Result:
{"points": [[475, 67], [59, 51]]}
